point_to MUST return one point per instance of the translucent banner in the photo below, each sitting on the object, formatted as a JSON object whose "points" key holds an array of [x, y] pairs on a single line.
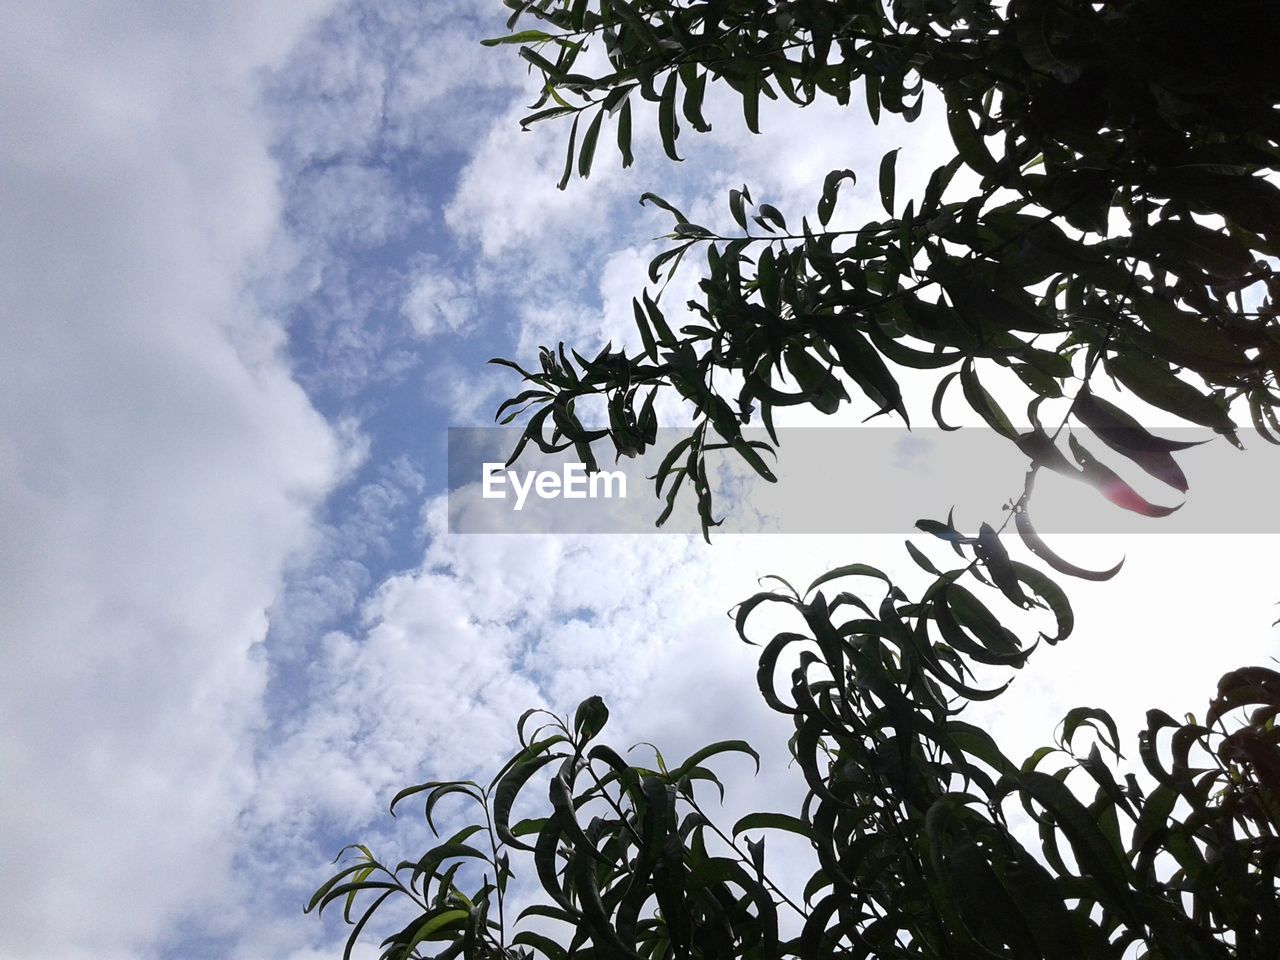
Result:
{"points": [[873, 480]]}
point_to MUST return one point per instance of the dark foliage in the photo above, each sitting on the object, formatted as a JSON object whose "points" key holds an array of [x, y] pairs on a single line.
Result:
{"points": [[1123, 225]]}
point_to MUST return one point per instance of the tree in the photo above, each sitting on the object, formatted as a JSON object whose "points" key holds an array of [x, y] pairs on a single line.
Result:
{"points": [[1122, 225]]}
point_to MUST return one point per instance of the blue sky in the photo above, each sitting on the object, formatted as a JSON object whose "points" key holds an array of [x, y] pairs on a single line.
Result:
{"points": [[254, 256]]}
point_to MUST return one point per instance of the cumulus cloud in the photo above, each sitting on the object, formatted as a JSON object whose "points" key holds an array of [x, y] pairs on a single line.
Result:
{"points": [[168, 763], [366, 116], [507, 201], [392, 76], [438, 301], [159, 463], [352, 206]]}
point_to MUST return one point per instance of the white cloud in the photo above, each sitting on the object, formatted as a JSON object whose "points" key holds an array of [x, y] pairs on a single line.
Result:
{"points": [[159, 466], [507, 200], [469, 392], [331, 577], [330, 99], [1184, 610], [395, 75], [446, 74], [353, 206], [157, 462], [439, 302]]}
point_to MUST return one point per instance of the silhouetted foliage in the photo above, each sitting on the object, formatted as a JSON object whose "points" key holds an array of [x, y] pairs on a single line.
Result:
{"points": [[907, 817], [1122, 223], [1121, 219]]}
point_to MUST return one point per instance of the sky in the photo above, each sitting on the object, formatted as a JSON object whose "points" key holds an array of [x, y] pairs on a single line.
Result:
{"points": [[253, 257]]}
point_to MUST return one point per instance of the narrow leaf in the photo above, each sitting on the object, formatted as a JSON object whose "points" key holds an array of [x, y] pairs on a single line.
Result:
{"points": [[888, 177]]}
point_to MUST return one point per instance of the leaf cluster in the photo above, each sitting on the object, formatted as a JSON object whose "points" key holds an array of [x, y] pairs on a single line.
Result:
{"points": [[1123, 222], [912, 815]]}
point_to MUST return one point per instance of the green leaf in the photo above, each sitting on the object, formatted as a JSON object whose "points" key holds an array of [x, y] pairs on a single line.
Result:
{"points": [[672, 256], [1000, 310], [751, 102], [830, 190], [737, 206], [645, 330], [547, 114], [624, 134], [964, 134], [906, 356], [773, 821], [568, 157], [595, 917], [1155, 813], [888, 177], [1200, 336], [657, 201], [823, 388], [438, 789], [1093, 852], [544, 861], [614, 100], [1156, 384], [1036, 545], [922, 561], [1040, 382], [542, 63], [944, 531], [433, 858], [628, 14], [1000, 568], [348, 889], [746, 450], [542, 943], [864, 365], [957, 610], [588, 152], [939, 180], [1091, 717], [434, 925], [714, 749], [871, 89], [508, 788], [589, 719], [322, 892], [771, 214], [984, 404], [694, 89], [668, 129], [849, 570], [977, 742], [562, 801], [939, 394], [1052, 596], [524, 36], [1107, 482], [1083, 197], [1125, 435], [360, 924], [1216, 253], [1039, 900], [1035, 41], [767, 281]]}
